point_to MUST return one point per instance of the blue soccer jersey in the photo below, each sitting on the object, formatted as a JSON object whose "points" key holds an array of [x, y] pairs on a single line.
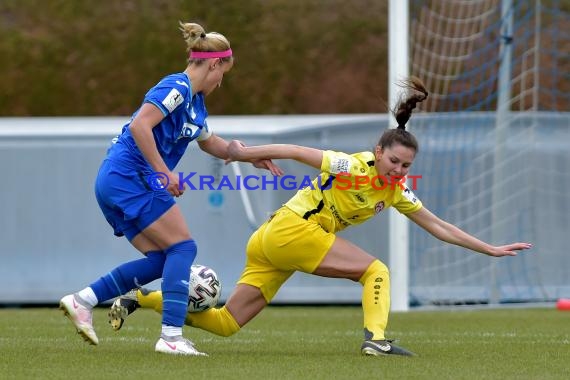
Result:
{"points": [[184, 120]]}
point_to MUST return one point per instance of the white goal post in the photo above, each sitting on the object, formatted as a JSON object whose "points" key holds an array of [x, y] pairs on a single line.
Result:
{"points": [[398, 69], [493, 134]]}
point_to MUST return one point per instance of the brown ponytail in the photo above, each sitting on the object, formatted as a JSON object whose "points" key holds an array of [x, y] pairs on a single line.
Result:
{"points": [[402, 112]]}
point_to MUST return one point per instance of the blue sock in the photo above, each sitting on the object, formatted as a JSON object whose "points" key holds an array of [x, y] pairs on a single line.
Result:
{"points": [[129, 275], [175, 277]]}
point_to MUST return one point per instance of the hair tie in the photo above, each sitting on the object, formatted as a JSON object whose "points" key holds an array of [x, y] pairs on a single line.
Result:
{"points": [[202, 35]]}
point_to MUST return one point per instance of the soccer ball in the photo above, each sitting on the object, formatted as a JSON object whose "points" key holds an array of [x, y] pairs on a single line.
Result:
{"points": [[205, 288]]}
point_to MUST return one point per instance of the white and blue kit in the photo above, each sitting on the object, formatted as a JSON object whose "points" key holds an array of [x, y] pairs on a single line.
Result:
{"points": [[130, 203], [127, 200]]}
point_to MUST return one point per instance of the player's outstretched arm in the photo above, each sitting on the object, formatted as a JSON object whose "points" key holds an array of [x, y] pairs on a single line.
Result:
{"points": [[218, 147], [449, 233], [215, 146], [308, 156]]}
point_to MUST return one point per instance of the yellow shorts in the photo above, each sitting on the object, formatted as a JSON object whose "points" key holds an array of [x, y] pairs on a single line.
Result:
{"points": [[282, 245]]}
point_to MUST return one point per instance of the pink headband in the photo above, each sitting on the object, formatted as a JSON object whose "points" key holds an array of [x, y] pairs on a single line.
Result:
{"points": [[211, 54]]}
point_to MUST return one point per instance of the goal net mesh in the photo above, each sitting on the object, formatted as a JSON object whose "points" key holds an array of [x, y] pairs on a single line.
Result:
{"points": [[493, 160]]}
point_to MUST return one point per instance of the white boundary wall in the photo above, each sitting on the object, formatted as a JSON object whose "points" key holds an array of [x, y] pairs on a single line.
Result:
{"points": [[55, 240]]}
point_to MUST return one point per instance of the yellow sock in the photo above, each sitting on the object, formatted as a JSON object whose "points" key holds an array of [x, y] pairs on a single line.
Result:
{"points": [[375, 300], [218, 321], [150, 299]]}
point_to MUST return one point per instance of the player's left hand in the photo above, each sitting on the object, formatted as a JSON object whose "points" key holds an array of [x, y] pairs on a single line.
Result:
{"points": [[235, 153], [268, 165], [509, 249]]}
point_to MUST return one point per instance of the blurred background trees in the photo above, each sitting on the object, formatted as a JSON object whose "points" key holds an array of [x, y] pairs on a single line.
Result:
{"points": [[85, 58]]}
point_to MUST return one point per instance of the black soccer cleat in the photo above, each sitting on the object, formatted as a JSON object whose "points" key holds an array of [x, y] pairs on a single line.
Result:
{"points": [[383, 347], [123, 306]]}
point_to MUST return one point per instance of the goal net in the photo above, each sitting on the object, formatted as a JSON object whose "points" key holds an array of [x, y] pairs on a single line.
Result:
{"points": [[494, 147]]}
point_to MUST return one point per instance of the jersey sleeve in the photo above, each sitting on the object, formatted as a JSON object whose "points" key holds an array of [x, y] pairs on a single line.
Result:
{"points": [[168, 94], [337, 162], [199, 116], [205, 132], [406, 201]]}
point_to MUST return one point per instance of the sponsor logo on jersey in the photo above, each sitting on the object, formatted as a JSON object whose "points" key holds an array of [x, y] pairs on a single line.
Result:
{"points": [[173, 100], [409, 195], [337, 216], [189, 131], [339, 165]]}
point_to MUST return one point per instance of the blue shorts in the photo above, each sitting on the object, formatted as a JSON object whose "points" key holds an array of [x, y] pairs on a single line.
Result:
{"points": [[127, 201]]}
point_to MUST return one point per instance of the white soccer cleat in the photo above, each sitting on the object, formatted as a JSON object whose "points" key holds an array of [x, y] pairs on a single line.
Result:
{"points": [[81, 317], [178, 346]]}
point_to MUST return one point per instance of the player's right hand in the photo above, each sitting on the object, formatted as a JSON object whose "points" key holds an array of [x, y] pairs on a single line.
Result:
{"points": [[173, 186]]}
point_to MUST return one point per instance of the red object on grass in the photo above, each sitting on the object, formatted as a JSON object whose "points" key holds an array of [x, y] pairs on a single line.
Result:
{"points": [[563, 304]]}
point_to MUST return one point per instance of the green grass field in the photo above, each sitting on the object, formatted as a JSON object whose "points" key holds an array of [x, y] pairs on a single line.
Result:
{"points": [[295, 343]]}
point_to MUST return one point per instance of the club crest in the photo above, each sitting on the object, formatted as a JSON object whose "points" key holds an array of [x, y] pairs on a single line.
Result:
{"points": [[379, 207]]}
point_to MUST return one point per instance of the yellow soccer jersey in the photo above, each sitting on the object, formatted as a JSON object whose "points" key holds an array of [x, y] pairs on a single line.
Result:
{"points": [[349, 191]]}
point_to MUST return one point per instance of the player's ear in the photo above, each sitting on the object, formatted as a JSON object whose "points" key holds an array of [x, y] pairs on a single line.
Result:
{"points": [[378, 152], [215, 62]]}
